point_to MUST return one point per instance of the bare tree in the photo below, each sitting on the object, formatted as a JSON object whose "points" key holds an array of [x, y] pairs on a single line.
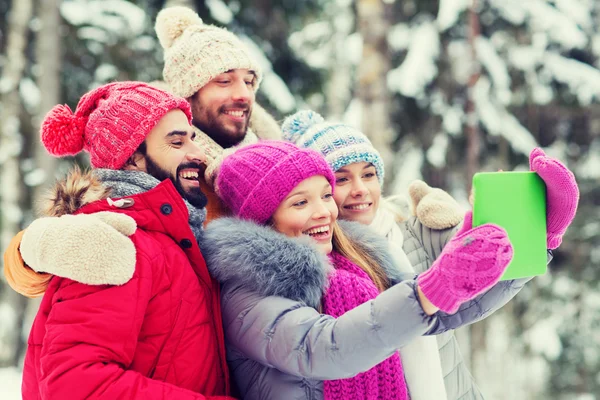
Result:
{"points": [[48, 54], [11, 188], [372, 86]]}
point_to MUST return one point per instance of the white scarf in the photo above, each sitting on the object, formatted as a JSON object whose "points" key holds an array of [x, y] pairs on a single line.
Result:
{"points": [[421, 357]]}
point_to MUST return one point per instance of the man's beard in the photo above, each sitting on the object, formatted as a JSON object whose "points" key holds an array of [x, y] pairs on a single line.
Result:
{"points": [[222, 135], [194, 196]]}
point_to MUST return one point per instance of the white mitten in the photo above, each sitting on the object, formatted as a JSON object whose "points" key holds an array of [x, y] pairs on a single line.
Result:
{"points": [[88, 248]]}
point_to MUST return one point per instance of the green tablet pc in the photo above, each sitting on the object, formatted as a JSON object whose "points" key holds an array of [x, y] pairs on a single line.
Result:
{"points": [[515, 201]]}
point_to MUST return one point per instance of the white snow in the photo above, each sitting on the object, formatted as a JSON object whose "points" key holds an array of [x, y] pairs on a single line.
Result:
{"points": [[496, 67], [93, 33], [117, 16], [220, 11], [459, 54], [13, 147], [144, 43], [6, 84], [272, 86], [409, 161], [312, 44], [10, 382], [275, 89], [452, 120], [36, 177], [105, 72], [577, 10], [30, 94], [352, 50], [399, 37], [560, 26], [543, 338], [353, 114], [583, 80], [436, 154], [449, 12], [589, 167], [498, 121], [419, 67]]}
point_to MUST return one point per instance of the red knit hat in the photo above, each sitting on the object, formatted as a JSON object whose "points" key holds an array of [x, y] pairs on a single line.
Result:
{"points": [[110, 122]]}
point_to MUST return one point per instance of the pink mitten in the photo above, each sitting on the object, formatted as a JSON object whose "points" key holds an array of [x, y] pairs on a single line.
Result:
{"points": [[471, 263], [562, 194]]}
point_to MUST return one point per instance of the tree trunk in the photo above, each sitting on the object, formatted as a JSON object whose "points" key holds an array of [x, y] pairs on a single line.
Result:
{"points": [[374, 67], [11, 187], [48, 53], [472, 125]]}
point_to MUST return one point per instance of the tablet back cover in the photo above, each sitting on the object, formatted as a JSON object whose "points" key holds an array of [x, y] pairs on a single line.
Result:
{"points": [[515, 201]]}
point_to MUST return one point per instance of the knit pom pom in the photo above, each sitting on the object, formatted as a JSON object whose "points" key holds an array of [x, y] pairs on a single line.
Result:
{"points": [[172, 22], [297, 124], [62, 131]]}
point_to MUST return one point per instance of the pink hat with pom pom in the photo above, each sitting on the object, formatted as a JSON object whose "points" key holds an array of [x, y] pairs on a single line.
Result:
{"points": [[110, 122]]}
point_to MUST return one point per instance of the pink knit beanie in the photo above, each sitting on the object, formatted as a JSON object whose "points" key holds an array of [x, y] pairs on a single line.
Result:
{"points": [[110, 122], [255, 179]]}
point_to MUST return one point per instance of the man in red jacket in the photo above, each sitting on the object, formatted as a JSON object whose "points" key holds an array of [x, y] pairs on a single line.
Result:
{"points": [[138, 317]]}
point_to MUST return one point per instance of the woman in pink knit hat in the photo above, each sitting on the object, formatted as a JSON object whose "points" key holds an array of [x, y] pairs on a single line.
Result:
{"points": [[314, 308]]}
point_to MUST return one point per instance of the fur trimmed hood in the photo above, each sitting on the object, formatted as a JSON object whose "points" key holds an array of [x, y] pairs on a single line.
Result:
{"points": [[273, 264], [76, 190]]}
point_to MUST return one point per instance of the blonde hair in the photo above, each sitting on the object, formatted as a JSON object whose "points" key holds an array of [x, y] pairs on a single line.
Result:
{"points": [[19, 276], [354, 252]]}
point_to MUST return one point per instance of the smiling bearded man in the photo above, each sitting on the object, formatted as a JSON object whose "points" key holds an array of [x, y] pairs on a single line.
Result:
{"points": [[133, 317]]}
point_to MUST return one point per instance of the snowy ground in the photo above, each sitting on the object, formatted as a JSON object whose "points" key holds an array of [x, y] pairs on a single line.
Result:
{"points": [[10, 383]]}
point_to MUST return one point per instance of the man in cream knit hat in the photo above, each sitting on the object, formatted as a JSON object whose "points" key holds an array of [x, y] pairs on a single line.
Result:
{"points": [[214, 71]]}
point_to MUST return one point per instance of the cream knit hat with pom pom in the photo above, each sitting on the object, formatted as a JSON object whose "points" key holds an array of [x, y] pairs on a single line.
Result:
{"points": [[195, 53]]}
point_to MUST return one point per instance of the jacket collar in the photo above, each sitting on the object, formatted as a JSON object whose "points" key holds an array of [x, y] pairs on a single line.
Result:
{"points": [[272, 264]]}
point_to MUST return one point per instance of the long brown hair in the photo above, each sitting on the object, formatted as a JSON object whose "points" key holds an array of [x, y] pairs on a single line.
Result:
{"points": [[354, 252]]}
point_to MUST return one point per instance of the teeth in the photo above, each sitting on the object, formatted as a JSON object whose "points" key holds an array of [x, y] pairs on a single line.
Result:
{"points": [[238, 114], [189, 174], [358, 207], [317, 230]]}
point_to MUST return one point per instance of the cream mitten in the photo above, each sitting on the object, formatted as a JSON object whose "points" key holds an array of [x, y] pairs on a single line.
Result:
{"points": [[434, 208], [88, 248]]}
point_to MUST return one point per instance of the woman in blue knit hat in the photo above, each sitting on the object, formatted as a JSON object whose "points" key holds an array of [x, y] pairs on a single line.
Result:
{"points": [[432, 370]]}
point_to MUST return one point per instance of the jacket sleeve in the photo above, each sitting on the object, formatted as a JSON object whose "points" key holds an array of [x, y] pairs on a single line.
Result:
{"points": [[296, 339], [90, 341]]}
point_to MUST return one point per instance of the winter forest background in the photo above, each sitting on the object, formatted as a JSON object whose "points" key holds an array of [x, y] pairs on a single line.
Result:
{"points": [[443, 88]]}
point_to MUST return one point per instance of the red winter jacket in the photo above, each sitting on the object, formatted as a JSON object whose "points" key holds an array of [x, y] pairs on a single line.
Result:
{"points": [[159, 336]]}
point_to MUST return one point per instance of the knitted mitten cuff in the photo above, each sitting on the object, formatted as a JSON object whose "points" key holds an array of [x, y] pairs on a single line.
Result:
{"points": [[471, 263]]}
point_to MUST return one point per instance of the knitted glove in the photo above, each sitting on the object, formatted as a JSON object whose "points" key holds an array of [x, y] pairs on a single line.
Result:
{"points": [[471, 263], [562, 194], [88, 248], [434, 208]]}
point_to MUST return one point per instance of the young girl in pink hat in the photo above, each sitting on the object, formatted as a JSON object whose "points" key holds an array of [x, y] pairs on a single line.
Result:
{"points": [[315, 308]]}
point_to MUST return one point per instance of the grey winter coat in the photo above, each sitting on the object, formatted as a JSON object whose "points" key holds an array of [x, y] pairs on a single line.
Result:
{"points": [[278, 345], [423, 245]]}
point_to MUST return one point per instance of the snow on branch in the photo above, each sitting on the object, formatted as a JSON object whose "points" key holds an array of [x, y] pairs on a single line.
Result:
{"points": [[419, 67], [496, 67], [120, 17], [272, 86], [561, 27], [582, 79], [499, 122], [449, 12]]}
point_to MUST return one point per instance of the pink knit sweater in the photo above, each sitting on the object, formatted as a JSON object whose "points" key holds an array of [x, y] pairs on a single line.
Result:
{"points": [[349, 287]]}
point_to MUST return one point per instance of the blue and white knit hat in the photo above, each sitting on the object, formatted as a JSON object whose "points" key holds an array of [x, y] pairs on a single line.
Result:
{"points": [[340, 144]]}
